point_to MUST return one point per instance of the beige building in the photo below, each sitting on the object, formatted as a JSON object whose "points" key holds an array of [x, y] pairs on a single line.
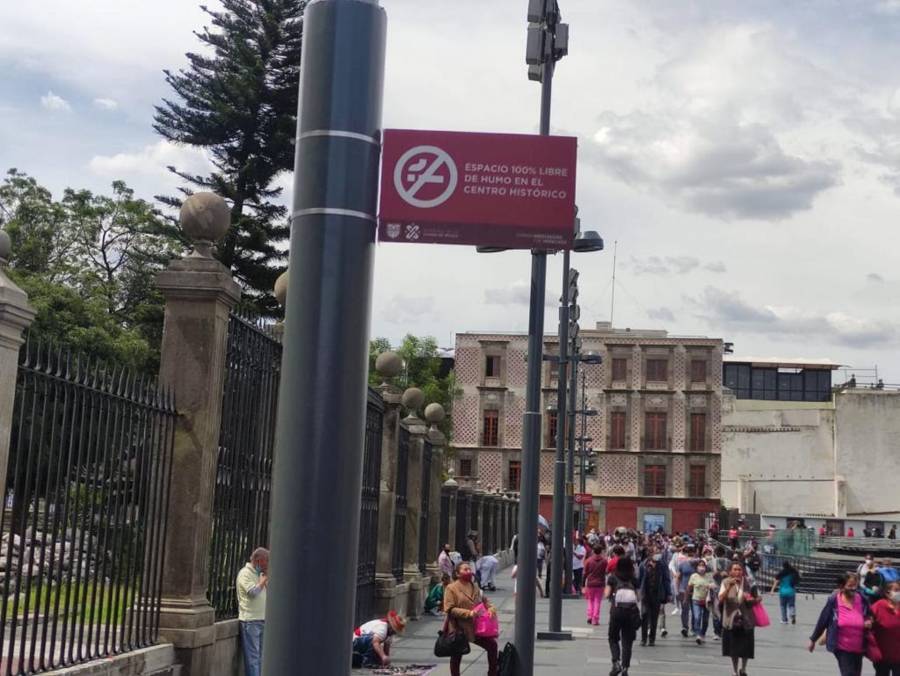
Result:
{"points": [[657, 436], [793, 448]]}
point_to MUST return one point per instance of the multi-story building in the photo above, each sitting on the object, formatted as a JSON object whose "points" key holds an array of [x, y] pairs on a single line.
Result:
{"points": [[657, 435], [795, 449]]}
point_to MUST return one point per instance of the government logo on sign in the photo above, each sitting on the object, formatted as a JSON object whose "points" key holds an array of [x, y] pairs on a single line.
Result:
{"points": [[425, 176]]}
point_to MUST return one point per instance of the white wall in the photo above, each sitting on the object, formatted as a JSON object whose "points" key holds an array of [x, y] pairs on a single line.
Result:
{"points": [[780, 452], [868, 451]]}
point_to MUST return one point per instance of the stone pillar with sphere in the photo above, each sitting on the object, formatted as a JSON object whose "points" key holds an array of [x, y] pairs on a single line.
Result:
{"points": [[200, 293], [412, 400], [434, 415], [16, 315], [389, 594]]}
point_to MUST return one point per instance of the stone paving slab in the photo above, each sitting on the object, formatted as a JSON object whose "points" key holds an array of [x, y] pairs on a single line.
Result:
{"points": [[780, 649]]}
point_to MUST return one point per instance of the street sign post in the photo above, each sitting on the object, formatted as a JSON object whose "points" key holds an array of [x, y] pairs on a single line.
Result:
{"points": [[584, 499], [506, 190]]}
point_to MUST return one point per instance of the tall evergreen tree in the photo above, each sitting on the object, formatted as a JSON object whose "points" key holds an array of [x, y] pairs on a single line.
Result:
{"points": [[238, 101]]}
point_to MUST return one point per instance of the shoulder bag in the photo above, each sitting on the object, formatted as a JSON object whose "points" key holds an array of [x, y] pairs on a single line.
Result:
{"points": [[451, 644]]}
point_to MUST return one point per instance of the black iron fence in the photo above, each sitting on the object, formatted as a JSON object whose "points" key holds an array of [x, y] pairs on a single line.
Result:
{"points": [[84, 524], [368, 518], [463, 509], [399, 543], [427, 453], [244, 464]]}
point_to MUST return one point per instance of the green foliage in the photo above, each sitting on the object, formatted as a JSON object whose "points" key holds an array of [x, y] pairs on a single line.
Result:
{"points": [[92, 602], [238, 100], [88, 264], [422, 368]]}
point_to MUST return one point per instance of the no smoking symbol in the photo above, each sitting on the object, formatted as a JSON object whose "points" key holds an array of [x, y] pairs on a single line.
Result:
{"points": [[421, 168]]}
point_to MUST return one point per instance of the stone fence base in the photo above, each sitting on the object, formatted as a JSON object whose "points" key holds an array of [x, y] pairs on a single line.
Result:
{"points": [[158, 660]]}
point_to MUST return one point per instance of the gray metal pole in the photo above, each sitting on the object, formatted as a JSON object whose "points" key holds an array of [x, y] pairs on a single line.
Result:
{"points": [[531, 436], [570, 469], [583, 442], [559, 471], [318, 465]]}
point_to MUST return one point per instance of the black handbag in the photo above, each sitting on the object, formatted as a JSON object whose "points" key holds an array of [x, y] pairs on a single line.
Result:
{"points": [[509, 661], [451, 644]]}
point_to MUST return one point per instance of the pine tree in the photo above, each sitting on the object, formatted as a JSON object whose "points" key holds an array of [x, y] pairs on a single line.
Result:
{"points": [[239, 102]]}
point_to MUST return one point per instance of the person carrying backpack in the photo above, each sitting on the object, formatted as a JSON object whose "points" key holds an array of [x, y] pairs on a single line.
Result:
{"points": [[624, 615]]}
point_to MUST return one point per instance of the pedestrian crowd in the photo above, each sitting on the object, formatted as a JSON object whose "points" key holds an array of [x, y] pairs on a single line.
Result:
{"points": [[711, 587]]}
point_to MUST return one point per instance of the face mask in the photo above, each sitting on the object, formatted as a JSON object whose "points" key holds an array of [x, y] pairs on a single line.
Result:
{"points": [[466, 577], [895, 597], [657, 557], [702, 570]]}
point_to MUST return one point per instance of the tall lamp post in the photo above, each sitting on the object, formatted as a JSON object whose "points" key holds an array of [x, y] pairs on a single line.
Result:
{"points": [[319, 465], [582, 440], [568, 325], [577, 358], [547, 43]]}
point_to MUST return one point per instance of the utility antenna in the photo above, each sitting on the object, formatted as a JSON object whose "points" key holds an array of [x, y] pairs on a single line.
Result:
{"points": [[612, 306]]}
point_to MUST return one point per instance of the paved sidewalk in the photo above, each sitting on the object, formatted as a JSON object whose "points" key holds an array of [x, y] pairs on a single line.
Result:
{"points": [[780, 649]]}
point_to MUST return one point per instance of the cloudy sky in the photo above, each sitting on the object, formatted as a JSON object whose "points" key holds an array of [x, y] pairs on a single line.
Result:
{"points": [[745, 156]]}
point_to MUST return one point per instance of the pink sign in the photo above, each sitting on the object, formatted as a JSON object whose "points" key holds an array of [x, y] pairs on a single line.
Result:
{"points": [[505, 190]]}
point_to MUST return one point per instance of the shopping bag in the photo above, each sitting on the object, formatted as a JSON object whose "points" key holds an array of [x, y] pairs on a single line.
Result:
{"points": [[760, 615], [486, 623]]}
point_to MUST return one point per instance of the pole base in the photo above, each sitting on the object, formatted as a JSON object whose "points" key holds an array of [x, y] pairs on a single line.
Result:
{"points": [[554, 636], [572, 596]]}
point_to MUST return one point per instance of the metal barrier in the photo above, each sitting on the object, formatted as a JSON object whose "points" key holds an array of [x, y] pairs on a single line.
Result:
{"points": [[368, 518], [244, 466], [84, 528]]}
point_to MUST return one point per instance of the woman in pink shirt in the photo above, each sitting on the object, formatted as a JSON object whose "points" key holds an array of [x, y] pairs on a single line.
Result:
{"points": [[845, 618]]}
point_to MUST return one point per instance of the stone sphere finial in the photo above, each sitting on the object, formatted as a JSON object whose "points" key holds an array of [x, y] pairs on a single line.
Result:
{"points": [[281, 287], [205, 218], [5, 247], [450, 480], [412, 400], [388, 364], [434, 413]]}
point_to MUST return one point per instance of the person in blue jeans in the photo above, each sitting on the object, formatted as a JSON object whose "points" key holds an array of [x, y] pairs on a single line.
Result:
{"points": [[698, 594], [787, 581], [683, 572], [251, 585]]}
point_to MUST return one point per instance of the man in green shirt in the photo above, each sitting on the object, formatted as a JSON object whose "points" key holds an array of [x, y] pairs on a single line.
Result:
{"points": [[252, 582]]}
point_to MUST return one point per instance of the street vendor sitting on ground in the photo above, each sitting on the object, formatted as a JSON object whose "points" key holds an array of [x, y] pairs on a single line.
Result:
{"points": [[372, 641]]}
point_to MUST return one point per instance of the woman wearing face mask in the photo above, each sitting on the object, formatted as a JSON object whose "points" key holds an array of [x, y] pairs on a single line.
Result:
{"points": [[738, 596], [698, 591], [845, 618], [886, 618], [460, 599]]}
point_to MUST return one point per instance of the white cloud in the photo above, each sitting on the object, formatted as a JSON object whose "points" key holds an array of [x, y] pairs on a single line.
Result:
{"points": [[151, 160], [517, 293], [888, 7], [662, 314], [710, 164], [728, 309], [669, 265], [51, 101], [713, 141], [106, 104]]}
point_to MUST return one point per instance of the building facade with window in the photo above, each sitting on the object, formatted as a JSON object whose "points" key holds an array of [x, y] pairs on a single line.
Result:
{"points": [[656, 437]]}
